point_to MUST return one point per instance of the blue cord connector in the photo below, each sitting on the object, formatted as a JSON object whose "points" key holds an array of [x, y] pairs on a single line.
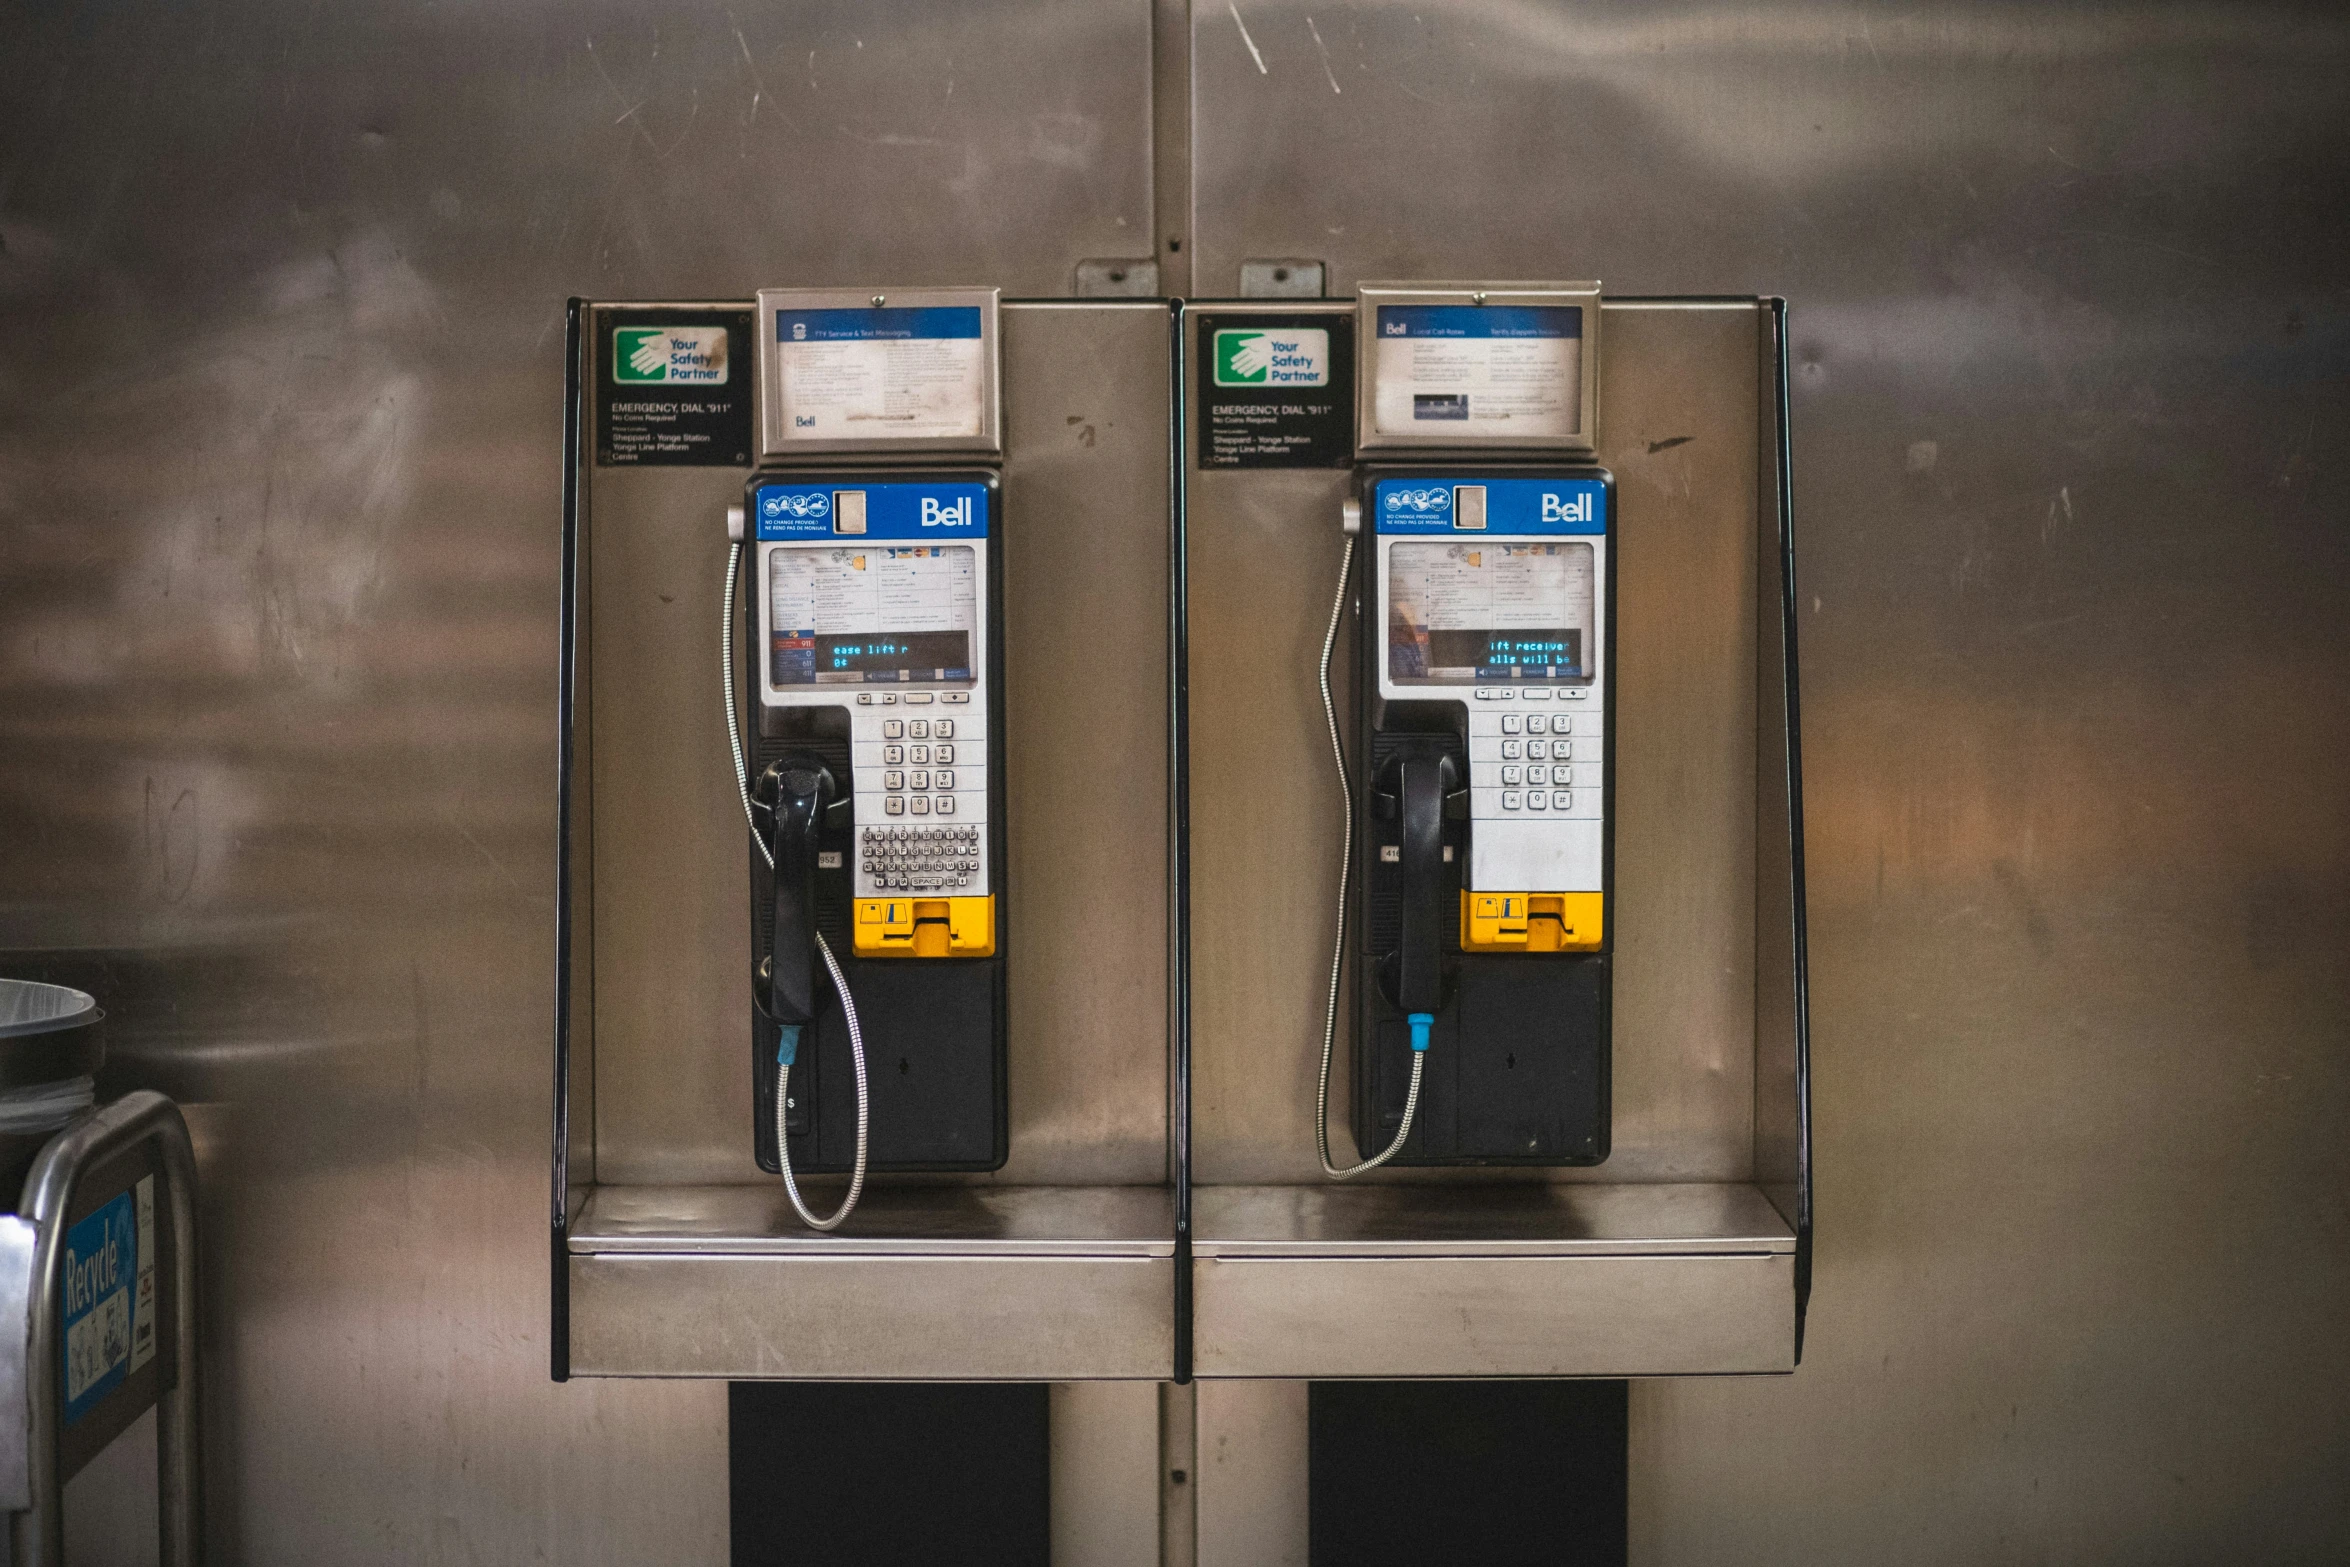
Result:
{"points": [[1421, 1022], [787, 1044]]}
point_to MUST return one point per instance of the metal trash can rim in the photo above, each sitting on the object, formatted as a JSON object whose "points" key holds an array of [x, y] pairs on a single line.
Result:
{"points": [[48, 1033]]}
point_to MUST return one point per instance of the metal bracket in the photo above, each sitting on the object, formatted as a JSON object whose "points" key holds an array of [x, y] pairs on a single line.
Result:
{"points": [[1115, 277], [1282, 278]]}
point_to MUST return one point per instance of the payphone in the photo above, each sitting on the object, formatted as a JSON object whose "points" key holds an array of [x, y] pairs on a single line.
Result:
{"points": [[870, 646], [1480, 565]]}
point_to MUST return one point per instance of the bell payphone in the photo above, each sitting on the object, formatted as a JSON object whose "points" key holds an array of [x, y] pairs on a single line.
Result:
{"points": [[1480, 561], [872, 778]]}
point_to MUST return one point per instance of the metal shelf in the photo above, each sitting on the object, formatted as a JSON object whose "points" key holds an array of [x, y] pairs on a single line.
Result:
{"points": [[1506, 1280], [1516, 1220], [924, 1221], [924, 1284]]}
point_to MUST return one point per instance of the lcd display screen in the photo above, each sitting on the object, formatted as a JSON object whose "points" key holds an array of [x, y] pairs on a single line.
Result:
{"points": [[864, 614], [1491, 610]]}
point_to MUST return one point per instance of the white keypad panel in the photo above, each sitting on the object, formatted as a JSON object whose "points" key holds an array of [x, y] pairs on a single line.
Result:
{"points": [[1503, 756], [933, 816], [1535, 802]]}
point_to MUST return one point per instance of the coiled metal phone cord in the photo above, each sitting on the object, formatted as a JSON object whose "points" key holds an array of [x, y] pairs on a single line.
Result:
{"points": [[1411, 1102], [840, 984]]}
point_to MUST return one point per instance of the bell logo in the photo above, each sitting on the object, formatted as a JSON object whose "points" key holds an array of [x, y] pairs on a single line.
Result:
{"points": [[1558, 509], [951, 514]]}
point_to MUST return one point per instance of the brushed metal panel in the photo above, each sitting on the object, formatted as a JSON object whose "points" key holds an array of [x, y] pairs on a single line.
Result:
{"points": [[1253, 1472], [1105, 1474], [1088, 544], [2069, 393], [670, 867], [282, 291], [966, 1319], [1321, 1317], [1441, 1221], [1263, 552], [1678, 383], [1086, 666], [1132, 1221]]}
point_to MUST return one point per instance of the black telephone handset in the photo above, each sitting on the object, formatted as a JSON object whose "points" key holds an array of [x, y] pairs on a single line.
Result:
{"points": [[796, 793], [1422, 786]]}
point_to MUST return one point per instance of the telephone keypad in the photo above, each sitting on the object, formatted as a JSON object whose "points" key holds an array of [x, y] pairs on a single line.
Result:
{"points": [[1569, 742], [911, 788]]}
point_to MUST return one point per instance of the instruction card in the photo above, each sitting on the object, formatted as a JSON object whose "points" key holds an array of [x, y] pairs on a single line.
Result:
{"points": [[673, 388], [107, 1279], [895, 373], [1479, 371], [1277, 391]]}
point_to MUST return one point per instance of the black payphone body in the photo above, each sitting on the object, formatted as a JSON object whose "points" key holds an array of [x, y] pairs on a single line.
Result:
{"points": [[1485, 850], [875, 616], [1481, 565], [868, 546]]}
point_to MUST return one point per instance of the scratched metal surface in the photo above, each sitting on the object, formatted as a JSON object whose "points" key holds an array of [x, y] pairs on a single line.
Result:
{"points": [[2073, 375], [280, 401]]}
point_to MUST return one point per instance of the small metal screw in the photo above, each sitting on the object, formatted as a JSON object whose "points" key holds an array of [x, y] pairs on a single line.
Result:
{"points": [[882, 299], [1474, 299], [1179, 1477]]}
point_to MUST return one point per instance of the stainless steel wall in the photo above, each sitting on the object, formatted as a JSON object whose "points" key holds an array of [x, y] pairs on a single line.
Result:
{"points": [[281, 309], [279, 401], [2073, 374]]}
